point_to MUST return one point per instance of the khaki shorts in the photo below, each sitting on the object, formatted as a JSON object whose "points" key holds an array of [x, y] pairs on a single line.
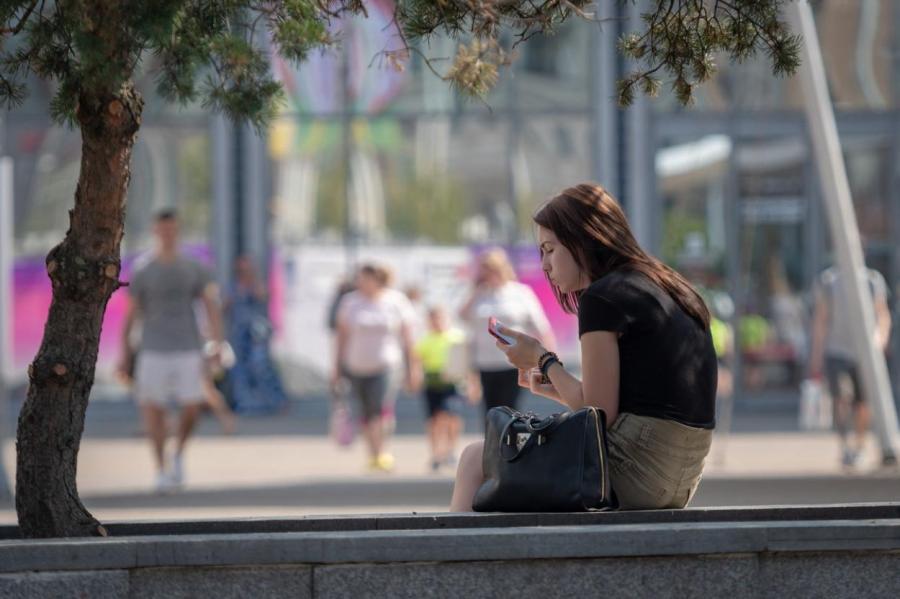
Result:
{"points": [[161, 377], [655, 463]]}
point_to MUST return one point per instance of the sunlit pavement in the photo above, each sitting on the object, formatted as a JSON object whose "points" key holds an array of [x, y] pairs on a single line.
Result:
{"points": [[256, 474]]}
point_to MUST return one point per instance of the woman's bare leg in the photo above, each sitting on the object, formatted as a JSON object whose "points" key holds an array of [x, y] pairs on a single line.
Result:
{"points": [[440, 447], [216, 402], [469, 476], [374, 432], [454, 431]]}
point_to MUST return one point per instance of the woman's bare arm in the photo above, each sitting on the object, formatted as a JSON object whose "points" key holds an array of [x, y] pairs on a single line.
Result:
{"points": [[600, 385], [600, 362]]}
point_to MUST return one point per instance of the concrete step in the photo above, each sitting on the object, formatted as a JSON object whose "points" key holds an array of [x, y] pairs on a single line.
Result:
{"points": [[848, 551]]}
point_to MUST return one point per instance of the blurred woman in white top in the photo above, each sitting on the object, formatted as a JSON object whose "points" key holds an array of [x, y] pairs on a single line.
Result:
{"points": [[497, 293], [374, 338]]}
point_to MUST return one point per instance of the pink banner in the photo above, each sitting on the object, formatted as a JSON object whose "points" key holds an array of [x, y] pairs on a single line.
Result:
{"points": [[31, 295]]}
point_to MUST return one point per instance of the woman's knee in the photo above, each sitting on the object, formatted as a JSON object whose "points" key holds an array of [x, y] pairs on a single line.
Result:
{"points": [[470, 459]]}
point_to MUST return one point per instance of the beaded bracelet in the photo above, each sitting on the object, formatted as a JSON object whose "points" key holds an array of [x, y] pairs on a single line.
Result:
{"points": [[543, 357], [545, 367]]}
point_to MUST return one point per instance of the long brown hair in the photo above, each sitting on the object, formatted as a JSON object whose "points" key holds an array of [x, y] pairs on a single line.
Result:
{"points": [[592, 226]]}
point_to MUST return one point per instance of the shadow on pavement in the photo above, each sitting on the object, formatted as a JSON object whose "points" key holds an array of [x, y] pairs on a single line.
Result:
{"points": [[713, 492]]}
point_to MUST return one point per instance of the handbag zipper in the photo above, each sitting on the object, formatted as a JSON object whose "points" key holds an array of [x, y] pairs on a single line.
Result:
{"points": [[600, 451]]}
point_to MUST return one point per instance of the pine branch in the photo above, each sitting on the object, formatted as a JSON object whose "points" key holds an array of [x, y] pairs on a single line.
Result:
{"points": [[681, 37], [22, 21]]}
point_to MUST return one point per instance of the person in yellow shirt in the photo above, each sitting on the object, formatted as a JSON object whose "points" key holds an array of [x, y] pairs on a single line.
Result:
{"points": [[436, 352]]}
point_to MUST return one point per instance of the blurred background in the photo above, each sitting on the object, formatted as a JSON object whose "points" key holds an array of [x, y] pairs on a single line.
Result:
{"points": [[370, 163]]}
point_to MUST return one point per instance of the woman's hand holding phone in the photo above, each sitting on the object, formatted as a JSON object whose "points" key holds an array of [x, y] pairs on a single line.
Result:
{"points": [[521, 350], [494, 328]]}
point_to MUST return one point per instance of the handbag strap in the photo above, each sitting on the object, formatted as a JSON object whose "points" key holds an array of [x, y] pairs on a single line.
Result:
{"points": [[545, 425], [537, 433]]}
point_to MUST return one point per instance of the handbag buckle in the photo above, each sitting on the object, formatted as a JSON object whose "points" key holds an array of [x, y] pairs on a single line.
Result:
{"points": [[522, 439]]}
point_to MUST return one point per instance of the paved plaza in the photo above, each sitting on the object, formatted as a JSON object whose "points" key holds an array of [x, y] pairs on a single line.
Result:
{"points": [[285, 465]]}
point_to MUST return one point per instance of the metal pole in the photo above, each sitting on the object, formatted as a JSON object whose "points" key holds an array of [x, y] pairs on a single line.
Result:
{"points": [[733, 224], [894, 277], [640, 158], [254, 207], [605, 138], [6, 250], [223, 196], [835, 191]]}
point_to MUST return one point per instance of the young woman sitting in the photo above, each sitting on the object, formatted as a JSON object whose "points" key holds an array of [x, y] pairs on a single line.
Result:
{"points": [[646, 352]]}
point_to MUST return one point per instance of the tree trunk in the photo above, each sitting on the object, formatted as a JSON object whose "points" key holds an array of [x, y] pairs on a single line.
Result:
{"points": [[84, 271]]}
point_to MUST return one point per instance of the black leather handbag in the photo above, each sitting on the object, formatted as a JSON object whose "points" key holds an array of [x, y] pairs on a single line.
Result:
{"points": [[553, 464]]}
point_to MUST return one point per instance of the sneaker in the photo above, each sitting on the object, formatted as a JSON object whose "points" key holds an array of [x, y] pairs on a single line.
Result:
{"points": [[888, 461], [176, 473], [163, 484], [849, 457], [384, 462]]}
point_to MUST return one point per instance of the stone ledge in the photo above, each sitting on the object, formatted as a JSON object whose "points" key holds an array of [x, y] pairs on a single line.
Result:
{"points": [[736, 576], [450, 545], [428, 521]]}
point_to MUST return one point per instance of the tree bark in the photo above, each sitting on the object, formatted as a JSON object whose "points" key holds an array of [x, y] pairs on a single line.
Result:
{"points": [[84, 272]]}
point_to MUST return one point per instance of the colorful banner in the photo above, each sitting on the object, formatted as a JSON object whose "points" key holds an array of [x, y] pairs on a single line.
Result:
{"points": [[301, 286]]}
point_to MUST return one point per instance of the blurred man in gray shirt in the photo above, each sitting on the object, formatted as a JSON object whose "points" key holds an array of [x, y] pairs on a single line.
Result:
{"points": [[832, 353], [170, 364]]}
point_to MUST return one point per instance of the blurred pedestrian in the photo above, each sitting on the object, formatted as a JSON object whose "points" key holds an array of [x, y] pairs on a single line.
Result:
{"points": [[831, 354], [170, 362], [253, 384], [215, 401], [497, 293], [373, 340], [434, 353]]}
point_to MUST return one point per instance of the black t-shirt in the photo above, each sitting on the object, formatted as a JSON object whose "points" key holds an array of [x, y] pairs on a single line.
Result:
{"points": [[667, 362]]}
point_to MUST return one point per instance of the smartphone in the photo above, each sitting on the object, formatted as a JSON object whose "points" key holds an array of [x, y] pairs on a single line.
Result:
{"points": [[493, 329]]}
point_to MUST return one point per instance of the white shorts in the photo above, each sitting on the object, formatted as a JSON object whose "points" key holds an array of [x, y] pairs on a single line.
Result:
{"points": [[163, 376]]}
